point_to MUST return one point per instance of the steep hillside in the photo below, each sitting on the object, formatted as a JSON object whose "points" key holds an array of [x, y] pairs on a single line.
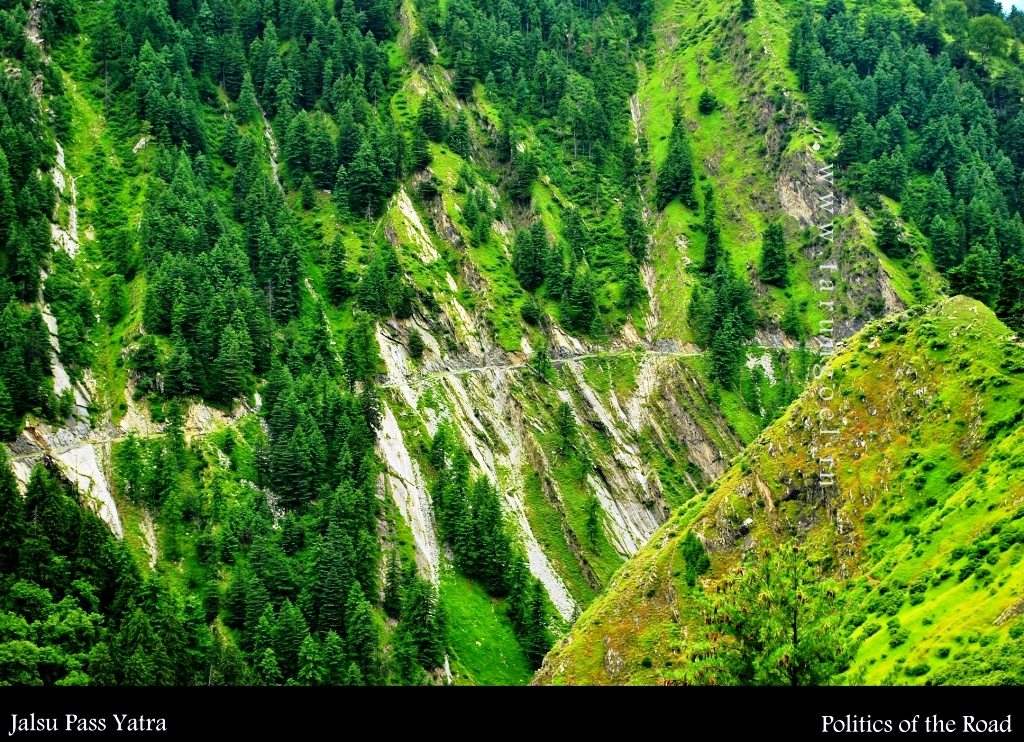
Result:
{"points": [[920, 531], [278, 371], [381, 334]]}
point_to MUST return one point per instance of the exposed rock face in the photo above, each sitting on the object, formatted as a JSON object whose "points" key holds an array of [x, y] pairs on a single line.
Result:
{"points": [[463, 378], [407, 488], [80, 454], [865, 288], [78, 451]]}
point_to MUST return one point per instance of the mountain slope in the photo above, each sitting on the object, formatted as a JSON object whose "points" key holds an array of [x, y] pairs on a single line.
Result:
{"points": [[922, 529], [372, 327]]}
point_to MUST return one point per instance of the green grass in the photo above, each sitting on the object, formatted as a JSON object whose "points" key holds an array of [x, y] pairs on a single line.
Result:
{"points": [[547, 526], [483, 645], [939, 470]]}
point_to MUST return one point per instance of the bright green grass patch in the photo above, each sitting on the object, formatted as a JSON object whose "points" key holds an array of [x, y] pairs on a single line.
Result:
{"points": [[546, 524], [483, 645]]}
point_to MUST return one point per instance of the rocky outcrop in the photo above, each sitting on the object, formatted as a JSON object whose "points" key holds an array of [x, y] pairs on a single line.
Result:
{"points": [[403, 480]]}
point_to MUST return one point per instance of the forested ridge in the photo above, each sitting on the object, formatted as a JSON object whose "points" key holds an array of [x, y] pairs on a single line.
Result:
{"points": [[357, 309]]}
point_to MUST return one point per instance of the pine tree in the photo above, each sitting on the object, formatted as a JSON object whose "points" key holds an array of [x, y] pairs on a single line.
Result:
{"points": [[945, 243], [289, 634], [10, 422], [528, 259], [423, 619], [979, 275], [579, 304], [364, 182], [231, 373], [335, 662], [337, 276], [593, 523], [890, 237], [248, 107], [353, 675], [403, 652], [774, 261], [431, 119], [565, 424], [307, 193], [393, 588], [458, 137], [267, 670], [633, 227], [312, 670], [713, 244], [491, 546], [12, 525], [420, 150], [675, 178], [747, 10], [419, 47], [361, 636], [178, 380], [773, 622], [708, 103], [536, 639], [727, 354]]}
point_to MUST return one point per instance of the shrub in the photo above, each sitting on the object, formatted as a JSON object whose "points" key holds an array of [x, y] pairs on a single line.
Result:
{"points": [[708, 102]]}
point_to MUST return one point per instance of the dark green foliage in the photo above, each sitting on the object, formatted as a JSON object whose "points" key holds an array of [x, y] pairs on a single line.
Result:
{"points": [[565, 423], [923, 122], [362, 637], [524, 172], [382, 289], [695, 557], [593, 523], [470, 520], [458, 137], [579, 303], [712, 231], [308, 193], [415, 344], [707, 103], [774, 260], [423, 621], [528, 253], [431, 120], [419, 47], [676, 178], [88, 617], [634, 229], [722, 315], [337, 277], [115, 305], [773, 622], [890, 238]]}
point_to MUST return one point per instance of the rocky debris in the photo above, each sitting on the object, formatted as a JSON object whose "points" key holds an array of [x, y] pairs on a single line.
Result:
{"points": [[268, 135], [764, 362], [421, 241], [613, 661], [404, 481], [497, 449]]}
